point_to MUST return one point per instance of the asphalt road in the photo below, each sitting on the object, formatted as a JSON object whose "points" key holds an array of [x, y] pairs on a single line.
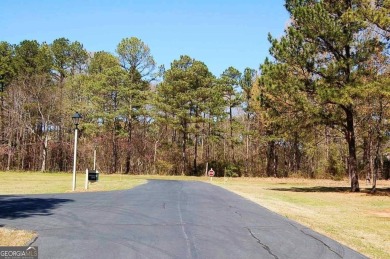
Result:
{"points": [[163, 219]]}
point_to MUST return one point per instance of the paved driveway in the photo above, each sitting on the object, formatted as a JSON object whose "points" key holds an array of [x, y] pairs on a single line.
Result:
{"points": [[163, 219]]}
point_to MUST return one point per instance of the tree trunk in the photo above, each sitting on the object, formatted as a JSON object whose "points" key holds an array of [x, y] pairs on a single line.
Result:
{"points": [[327, 142], [196, 153], [271, 159], [297, 156], [247, 156], [128, 151], [23, 150], [224, 148], [62, 154], [247, 143], [203, 139], [155, 156], [114, 162], [2, 137], [9, 153], [184, 148], [196, 143], [367, 142], [208, 142], [44, 153], [184, 160], [378, 145], [350, 138], [231, 133], [247, 137]]}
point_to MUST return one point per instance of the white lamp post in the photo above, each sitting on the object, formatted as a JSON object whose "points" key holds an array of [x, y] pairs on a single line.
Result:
{"points": [[94, 155], [76, 118]]}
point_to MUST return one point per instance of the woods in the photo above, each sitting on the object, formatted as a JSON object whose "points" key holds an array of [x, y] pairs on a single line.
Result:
{"points": [[318, 107]]}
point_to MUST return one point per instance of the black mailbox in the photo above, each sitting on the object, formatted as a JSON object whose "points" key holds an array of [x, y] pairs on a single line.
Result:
{"points": [[93, 175]]}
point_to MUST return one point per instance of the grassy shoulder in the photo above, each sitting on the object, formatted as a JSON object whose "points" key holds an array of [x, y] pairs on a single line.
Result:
{"points": [[358, 220], [14, 237], [40, 183]]}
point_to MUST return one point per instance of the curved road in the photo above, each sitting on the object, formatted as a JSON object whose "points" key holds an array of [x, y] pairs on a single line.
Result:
{"points": [[163, 219]]}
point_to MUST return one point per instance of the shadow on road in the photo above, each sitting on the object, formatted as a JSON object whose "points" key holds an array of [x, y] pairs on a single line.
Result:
{"points": [[12, 207], [379, 191]]}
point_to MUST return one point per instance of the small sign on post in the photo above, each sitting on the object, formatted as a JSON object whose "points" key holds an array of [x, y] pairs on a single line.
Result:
{"points": [[211, 174]]}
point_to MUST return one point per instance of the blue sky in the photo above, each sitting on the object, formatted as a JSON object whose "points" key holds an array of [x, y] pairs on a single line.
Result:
{"points": [[221, 33]]}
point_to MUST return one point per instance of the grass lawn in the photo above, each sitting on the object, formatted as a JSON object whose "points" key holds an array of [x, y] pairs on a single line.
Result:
{"points": [[36, 182], [358, 220]]}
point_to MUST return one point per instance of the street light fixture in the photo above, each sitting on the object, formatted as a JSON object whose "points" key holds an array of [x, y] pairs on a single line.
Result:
{"points": [[76, 119]]}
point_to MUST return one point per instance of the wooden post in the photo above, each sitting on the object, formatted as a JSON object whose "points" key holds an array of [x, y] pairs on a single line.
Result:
{"points": [[86, 179], [207, 169]]}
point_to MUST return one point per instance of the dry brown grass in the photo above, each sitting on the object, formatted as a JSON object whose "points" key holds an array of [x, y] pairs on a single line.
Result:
{"points": [[13, 237], [358, 220]]}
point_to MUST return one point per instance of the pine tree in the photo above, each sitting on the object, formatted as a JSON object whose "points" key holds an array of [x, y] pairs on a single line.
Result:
{"points": [[323, 51]]}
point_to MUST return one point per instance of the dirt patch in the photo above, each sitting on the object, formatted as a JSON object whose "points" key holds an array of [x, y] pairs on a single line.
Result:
{"points": [[382, 213]]}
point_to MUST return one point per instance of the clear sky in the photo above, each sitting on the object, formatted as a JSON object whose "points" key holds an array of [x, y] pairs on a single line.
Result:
{"points": [[221, 33]]}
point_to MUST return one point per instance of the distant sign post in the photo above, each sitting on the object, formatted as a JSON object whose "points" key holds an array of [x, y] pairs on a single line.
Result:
{"points": [[211, 174]]}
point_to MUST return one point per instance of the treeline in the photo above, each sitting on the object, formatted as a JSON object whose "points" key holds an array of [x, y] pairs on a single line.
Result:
{"points": [[318, 108]]}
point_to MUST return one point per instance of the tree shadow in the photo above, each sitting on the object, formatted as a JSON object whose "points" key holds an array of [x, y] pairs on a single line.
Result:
{"points": [[379, 191], [313, 189], [13, 207]]}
